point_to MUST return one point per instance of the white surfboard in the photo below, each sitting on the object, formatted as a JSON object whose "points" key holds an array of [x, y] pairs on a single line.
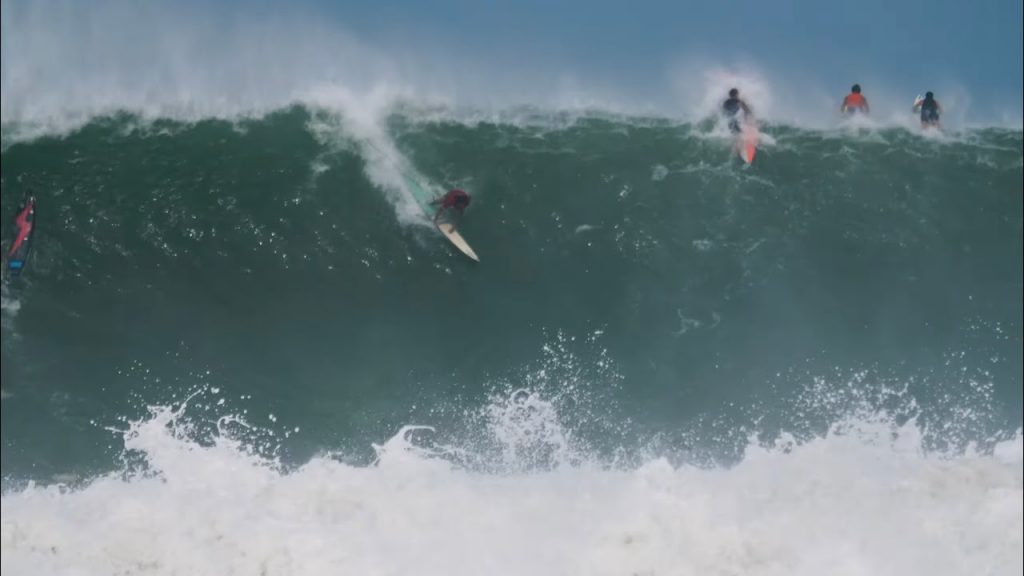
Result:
{"points": [[455, 238]]}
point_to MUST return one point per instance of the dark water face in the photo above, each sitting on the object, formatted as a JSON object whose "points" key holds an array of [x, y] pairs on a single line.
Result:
{"points": [[635, 259], [665, 363]]}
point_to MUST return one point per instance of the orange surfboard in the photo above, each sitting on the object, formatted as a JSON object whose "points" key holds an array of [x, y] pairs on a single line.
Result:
{"points": [[746, 144]]}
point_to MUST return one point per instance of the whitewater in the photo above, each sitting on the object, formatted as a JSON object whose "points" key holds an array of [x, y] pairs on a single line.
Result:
{"points": [[864, 500], [240, 348]]}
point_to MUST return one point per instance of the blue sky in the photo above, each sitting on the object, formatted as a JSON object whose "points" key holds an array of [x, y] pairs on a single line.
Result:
{"points": [[795, 59], [913, 44]]}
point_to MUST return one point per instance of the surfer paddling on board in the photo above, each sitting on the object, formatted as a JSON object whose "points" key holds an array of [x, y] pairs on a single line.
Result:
{"points": [[24, 221], [930, 110], [855, 102], [732, 108], [454, 201]]}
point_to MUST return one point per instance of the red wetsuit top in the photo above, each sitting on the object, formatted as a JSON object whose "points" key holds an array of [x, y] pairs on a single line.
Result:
{"points": [[455, 199], [855, 101]]}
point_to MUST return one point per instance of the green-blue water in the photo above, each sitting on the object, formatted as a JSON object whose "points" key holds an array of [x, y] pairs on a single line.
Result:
{"points": [[648, 294]]}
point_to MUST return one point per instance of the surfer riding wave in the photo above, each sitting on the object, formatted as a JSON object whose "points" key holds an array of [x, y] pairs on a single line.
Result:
{"points": [[24, 222], [736, 111], [454, 202]]}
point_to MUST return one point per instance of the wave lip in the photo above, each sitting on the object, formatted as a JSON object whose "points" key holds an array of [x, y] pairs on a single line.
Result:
{"points": [[65, 64]]}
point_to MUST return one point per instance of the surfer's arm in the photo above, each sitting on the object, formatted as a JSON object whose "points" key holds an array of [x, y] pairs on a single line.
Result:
{"points": [[867, 108], [749, 119]]}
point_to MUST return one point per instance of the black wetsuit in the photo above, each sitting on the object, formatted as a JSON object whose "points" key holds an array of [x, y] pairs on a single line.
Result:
{"points": [[732, 109], [929, 111]]}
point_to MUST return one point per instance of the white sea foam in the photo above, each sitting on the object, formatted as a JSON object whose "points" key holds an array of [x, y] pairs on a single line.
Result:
{"points": [[867, 500]]}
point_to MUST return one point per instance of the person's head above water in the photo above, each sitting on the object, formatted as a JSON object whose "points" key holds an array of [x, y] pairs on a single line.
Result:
{"points": [[855, 89], [734, 93], [929, 96]]}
